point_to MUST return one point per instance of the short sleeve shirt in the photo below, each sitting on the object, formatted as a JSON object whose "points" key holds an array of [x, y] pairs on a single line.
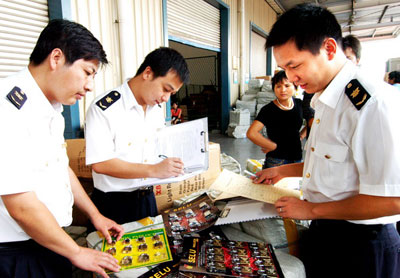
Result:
{"points": [[353, 151], [123, 130], [33, 153]]}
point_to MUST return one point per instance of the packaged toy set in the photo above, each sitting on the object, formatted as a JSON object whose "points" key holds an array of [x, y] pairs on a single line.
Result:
{"points": [[138, 249], [198, 248]]}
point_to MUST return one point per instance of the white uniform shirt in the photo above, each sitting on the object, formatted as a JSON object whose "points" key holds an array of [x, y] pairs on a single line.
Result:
{"points": [[123, 131], [352, 151], [32, 154]]}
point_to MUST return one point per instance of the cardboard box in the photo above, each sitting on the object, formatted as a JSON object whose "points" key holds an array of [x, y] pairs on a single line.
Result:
{"points": [[265, 77], [165, 193], [76, 151]]}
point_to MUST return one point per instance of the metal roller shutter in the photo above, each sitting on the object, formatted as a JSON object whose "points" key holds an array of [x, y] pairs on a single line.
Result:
{"points": [[21, 22], [194, 21]]}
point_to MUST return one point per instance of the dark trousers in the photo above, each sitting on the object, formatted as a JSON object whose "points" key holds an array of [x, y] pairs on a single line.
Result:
{"points": [[337, 248], [27, 259], [271, 162], [124, 207]]}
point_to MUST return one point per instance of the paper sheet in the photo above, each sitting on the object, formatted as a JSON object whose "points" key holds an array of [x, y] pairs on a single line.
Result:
{"points": [[189, 142], [233, 183], [246, 210]]}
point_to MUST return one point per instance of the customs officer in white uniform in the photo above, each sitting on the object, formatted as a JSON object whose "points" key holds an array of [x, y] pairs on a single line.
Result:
{"points": [[38, 188], [120, 137], [351, 180]]}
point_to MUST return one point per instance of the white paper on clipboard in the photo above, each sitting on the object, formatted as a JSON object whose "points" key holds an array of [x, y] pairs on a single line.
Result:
{"points": [[189, 142]]}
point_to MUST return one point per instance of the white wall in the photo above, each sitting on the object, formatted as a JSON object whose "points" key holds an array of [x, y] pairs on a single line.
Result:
{"points": [[375, 54]]}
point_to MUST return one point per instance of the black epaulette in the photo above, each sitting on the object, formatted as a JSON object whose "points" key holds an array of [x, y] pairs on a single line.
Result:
{"points": [[357, 93], [108, 100], [17, 97]]}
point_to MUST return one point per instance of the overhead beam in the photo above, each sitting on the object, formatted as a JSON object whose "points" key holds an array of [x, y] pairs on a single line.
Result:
{"points": [[276, 6], [380, 19], [371, 26], [346, 7]]}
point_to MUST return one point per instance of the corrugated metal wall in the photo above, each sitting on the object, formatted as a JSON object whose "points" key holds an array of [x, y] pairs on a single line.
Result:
{"points": [[20, 25], [142, 32], [144, 28], [195, 21]]}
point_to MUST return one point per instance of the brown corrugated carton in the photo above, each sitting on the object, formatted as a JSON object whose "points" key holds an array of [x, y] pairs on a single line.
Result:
{"points": [[76, 151], [165, 193]]}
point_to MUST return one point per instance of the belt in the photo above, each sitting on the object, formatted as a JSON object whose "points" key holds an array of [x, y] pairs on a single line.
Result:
{"points": [[17, 245], [143, 191]]}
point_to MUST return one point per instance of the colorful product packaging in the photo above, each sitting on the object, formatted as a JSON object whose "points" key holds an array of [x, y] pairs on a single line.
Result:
{"points": [[139, 249]]}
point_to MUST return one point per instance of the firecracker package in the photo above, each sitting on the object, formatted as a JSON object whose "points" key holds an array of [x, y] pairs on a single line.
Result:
{"points": [[192, 217], [164, 270], [214, 257], [196, 275], [139, 249]]}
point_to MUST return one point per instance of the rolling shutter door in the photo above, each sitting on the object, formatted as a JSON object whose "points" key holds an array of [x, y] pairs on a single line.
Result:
{"points": [[258, 55], [194, 21], [21, 22]]}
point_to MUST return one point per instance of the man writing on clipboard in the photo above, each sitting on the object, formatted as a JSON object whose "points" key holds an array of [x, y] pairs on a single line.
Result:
{"points": [[120, 129]]}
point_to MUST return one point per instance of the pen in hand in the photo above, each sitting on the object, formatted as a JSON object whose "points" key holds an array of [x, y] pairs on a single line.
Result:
{"points": [[185, 170], [250, 174]]}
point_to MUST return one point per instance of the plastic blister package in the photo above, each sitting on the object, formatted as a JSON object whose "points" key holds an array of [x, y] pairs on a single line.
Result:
{"points": [[138, 249], [195, 216]]}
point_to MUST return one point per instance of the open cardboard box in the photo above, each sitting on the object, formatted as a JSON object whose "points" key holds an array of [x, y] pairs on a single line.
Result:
{"points": [[165, 193]]}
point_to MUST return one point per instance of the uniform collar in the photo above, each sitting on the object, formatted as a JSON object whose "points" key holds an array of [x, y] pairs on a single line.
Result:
{"points": [[330, 96], [35, 94], [130, 101]]}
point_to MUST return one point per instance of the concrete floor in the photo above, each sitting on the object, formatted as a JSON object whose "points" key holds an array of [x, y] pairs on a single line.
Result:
{"points": [[240, 149]]}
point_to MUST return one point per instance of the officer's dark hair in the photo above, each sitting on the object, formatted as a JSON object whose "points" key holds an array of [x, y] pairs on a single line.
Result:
{"points": [[74, 40], [307, 25], [164, 59], [352, 42], [279, 77], [395, 76]]}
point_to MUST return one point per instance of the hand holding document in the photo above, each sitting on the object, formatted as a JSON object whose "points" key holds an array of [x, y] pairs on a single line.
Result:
{"points": [[232, 183], [187, 141]]}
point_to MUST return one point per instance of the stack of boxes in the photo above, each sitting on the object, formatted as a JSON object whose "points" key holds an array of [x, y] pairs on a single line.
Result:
{"points": [[239, 123], [259, 94]]}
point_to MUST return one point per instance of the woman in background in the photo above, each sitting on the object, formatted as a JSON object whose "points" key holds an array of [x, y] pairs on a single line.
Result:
{"points": [[176, 114], [283, 119]]}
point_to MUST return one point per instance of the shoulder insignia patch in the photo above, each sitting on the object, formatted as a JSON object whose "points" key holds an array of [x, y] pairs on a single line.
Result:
{"points": [[108, 100], [357, 93], [17, 97]]}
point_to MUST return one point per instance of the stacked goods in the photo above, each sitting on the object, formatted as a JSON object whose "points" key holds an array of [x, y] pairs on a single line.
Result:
{"points": [[260, 93], [265, 96], [255, 86], [239, 122]]}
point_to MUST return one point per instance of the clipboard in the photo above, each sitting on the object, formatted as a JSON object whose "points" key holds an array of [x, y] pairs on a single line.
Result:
{"points": [[189, 142]]}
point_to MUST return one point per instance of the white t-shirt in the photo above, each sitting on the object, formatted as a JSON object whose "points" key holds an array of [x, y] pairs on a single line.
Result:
{"points": [[353, 151], [32, 153], [122, 130]]}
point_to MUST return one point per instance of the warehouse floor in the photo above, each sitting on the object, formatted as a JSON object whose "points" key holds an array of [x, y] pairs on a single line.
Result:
{"points": [[239, 148]]}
